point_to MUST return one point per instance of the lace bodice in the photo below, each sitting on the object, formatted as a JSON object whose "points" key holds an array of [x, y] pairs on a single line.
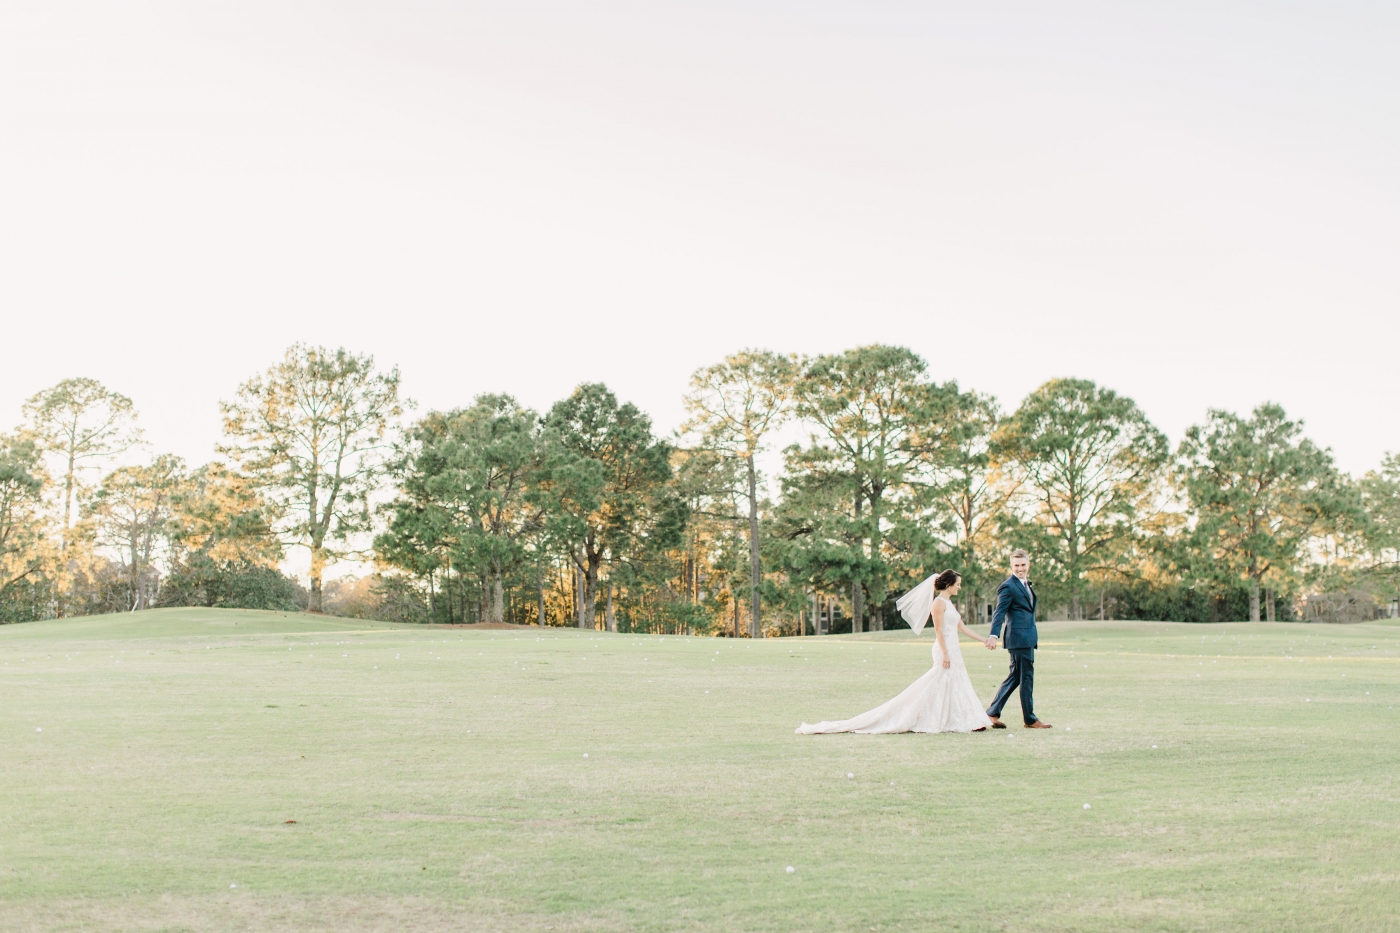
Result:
{"points": [[950, 633], [951, 618]]}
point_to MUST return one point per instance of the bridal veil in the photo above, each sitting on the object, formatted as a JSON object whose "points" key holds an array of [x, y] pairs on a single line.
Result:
{"points": [[917, 604]]}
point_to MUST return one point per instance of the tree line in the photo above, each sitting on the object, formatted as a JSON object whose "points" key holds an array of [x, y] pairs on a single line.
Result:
{"points": [[583, 515]]}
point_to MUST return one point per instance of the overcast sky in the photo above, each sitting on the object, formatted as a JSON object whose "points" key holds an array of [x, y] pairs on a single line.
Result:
{"points": [[1194, 204]]}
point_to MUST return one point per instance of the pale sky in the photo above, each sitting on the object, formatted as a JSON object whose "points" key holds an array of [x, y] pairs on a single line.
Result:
{"points": [[1195, 204]]}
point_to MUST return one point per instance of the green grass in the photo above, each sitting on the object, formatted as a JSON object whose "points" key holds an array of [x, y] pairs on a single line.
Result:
{"points": [[1241, 777]]}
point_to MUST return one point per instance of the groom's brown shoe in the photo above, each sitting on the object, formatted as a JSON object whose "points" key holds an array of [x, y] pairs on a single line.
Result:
{"points": [[997, 723], [1039, 725]]}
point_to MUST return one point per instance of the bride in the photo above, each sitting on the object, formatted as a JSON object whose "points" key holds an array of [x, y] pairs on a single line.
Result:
{"points": [[943, 699]]}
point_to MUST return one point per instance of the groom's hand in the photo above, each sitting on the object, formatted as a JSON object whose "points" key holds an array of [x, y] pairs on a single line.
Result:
{"points": [[991, 643]]}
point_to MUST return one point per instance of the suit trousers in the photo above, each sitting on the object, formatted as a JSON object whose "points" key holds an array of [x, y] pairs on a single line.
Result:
{"points": [[1022, 676]]}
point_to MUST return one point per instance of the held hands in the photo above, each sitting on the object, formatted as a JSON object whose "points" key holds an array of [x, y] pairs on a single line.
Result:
{"points": [[991, 643]]}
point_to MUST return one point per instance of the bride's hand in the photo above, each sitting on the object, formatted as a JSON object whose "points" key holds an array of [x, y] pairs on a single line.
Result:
{"points": [[947, 662]]}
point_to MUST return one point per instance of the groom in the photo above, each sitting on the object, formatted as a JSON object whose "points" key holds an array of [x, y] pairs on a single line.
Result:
{"points": [[1016, 609]]}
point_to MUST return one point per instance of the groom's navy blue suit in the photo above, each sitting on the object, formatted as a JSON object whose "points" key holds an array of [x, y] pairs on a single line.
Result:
{"points": [[1016, 610]]}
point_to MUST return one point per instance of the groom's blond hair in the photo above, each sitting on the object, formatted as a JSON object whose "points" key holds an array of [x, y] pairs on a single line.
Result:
{"points": [[1020, 552]]}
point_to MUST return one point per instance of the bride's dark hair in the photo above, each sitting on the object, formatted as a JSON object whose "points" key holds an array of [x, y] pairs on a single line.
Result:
{"points": [[945, 579]]}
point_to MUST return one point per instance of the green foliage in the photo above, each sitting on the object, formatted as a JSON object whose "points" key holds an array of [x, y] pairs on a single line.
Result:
{"points": [[1130, 599], [399, 600], [1087, 460], [502, 516], [733, 406], [79, 423], [875, 412], [22, 552], [495, 514], [1380, 504], [21, 478], [310, 434], [818, 538], [963, 495], [605, 492], [28, 599], [223, 516], [221, 585], [131, 515], [467, 499], [1260, 492]]}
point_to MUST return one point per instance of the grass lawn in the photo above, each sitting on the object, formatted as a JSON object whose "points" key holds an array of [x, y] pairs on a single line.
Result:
{"points": [[1239, 777]]}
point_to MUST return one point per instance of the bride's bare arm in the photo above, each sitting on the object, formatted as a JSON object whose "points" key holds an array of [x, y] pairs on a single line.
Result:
{"points": [[962, 627]]}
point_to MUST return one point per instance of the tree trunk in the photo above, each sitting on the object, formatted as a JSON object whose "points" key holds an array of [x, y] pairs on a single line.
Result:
{"points": [[498, 600], [67, 504], [578, 596], [589, 615], [857, 595], [318, 563], [1254, 600], [755, 564], [539, 587], [877, 618], [135, 578], [1076, 611], [609, 620], [1269, 604]]}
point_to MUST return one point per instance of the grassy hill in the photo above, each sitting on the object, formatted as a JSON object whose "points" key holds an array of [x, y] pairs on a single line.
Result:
{"points": [[349, 776], [168, 623]]}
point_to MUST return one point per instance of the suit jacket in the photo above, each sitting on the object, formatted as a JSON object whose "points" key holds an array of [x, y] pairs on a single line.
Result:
{"points": [[1016, 610]]}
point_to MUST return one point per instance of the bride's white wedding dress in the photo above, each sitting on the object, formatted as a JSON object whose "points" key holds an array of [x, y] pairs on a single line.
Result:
{"points": [[940, 701]]}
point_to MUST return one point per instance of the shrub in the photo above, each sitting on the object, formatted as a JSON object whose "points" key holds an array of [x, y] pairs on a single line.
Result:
{"points": [[27, 600], [231, 586]]}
